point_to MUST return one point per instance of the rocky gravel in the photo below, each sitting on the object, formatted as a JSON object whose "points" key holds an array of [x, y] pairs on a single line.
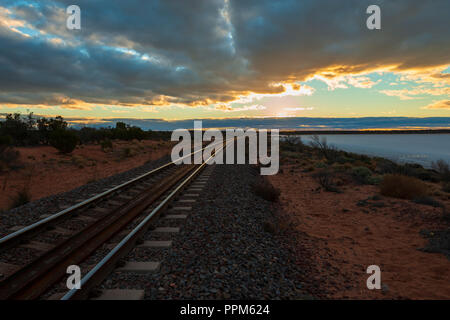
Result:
{"points": [[222, 250]]}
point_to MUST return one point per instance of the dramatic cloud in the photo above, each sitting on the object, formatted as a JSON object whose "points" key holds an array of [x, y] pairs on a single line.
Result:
{"points": [[443, 104], [146, 53]]}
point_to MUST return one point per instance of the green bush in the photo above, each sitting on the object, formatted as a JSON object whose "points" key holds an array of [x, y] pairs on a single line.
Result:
{"points": [[361, 175], [64, 141], [375, 180]]}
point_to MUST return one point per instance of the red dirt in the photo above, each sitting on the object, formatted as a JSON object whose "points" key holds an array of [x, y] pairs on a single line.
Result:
{"points": [[46, 172], [345, 239]]}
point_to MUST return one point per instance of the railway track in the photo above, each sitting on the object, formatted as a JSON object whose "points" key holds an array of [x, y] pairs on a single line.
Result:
{"points": [[117, 217]]}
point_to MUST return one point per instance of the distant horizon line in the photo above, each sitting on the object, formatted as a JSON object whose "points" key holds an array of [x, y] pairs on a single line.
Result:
{"points": [[282, 123], [228, 118]]}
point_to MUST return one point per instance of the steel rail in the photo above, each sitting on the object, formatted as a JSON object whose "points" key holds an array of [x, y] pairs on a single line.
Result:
{"points": [[93, 276], [10, 238], [32, 280]]}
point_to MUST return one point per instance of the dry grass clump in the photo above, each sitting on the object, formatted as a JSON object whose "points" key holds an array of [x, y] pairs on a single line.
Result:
{"points": [[403, 187], [326, 179], [266, 190]]}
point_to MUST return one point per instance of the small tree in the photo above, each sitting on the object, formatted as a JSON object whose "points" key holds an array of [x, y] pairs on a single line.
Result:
{"points": [[47, 126], [327, 150], [443, 168]]}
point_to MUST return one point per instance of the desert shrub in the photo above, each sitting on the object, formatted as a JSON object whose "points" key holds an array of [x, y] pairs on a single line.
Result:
{"points": [[266, 190], [361, 174], [292, 144], [288, 154], [443, 169], [64, 141], [385, 166], [21, 198], [321, 165], [429, 201], [18, 128], [328, 151], [374, 179], [344, 159], [106, 145], [403, 187], [326, 179], [79, 161], [339, 167], [127, 152], [424, 174]]}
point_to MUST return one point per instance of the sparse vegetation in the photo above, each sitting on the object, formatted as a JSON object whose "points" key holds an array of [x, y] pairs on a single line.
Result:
{"points": [[328, 151], [443, 169], [361, 175], [325, 178], [63, 140], [292, 144], [403, 187], [439, 241], [33, 130]]}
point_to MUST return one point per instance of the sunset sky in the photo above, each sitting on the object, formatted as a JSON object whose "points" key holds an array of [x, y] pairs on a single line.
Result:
{"points": [[225, 59]]}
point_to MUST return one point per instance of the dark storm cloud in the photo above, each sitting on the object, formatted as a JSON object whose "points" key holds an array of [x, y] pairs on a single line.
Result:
{"points": [[200, 52]]}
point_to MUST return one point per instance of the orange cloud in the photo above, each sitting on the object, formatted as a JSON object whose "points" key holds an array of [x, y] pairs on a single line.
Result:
{"points": [[442, 104]]}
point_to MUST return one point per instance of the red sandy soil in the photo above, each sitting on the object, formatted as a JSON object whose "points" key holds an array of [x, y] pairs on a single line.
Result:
{"points": [[345, 239], [48, 172]]}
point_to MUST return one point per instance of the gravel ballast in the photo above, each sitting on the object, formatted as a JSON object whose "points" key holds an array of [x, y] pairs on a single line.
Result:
{"points": [[221, 251]]}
